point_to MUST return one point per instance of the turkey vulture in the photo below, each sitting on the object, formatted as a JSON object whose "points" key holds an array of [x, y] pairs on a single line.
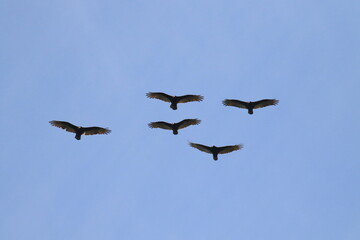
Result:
{"points": [[216, 150], [79, 130], [250, 105], [174, 126], [174, 100]]}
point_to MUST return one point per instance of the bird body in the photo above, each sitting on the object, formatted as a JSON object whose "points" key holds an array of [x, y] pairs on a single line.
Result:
{"points": [[250, 106], [174, 126], [79, 130], [216, 150], [174, 100]]}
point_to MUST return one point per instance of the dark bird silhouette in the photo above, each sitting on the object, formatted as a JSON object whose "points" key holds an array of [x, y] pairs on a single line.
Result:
{"points": [[250, 106], [174, 100], [79, 130], [216, 150], [174, 126]]}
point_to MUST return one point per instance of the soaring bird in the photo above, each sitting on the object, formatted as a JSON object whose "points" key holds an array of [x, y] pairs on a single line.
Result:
{"points": [[250, 106], [79, 130], [174, 126], [174, 100], [216, 150]]}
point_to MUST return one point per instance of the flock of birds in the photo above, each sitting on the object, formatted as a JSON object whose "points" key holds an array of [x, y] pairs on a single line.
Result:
{"points": [[174, 101]]}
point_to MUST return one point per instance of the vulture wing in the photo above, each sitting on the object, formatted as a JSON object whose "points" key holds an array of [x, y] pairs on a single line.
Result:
{"points": [[96, 130], [160, 96], [163, 125], [235, 103], [200, 147], [190, 98], [64, 125], [265, 103], [187, 122], [227, 149]]}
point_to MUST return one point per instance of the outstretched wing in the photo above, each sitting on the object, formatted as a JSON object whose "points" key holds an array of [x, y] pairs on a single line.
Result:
{"points": [[163, 125], [227, 149], [187, 122], [235, 103], [200, 147], [64, 125], [190, 98], [160, 96], [96, 130], [265, 103]]}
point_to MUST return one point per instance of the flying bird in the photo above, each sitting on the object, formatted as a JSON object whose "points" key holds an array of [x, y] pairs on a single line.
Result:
{"points": [[216, 150], [174, 100], [250, 106], [174, 126], [79, 130]]}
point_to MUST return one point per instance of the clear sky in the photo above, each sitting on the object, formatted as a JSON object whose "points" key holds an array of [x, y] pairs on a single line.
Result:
{"points": [[92, 62]]}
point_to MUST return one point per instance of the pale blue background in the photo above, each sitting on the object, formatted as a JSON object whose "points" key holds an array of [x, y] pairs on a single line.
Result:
{"points": [[91, 63]]}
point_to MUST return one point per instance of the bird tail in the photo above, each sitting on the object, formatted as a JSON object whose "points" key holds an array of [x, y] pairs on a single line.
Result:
{"points": [[175, 131], [173, 106], [78, 136], [215, 157], [250, 111]]}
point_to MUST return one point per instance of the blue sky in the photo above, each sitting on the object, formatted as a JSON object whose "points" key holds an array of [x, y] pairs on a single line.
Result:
{"points": [[91, 63]]}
